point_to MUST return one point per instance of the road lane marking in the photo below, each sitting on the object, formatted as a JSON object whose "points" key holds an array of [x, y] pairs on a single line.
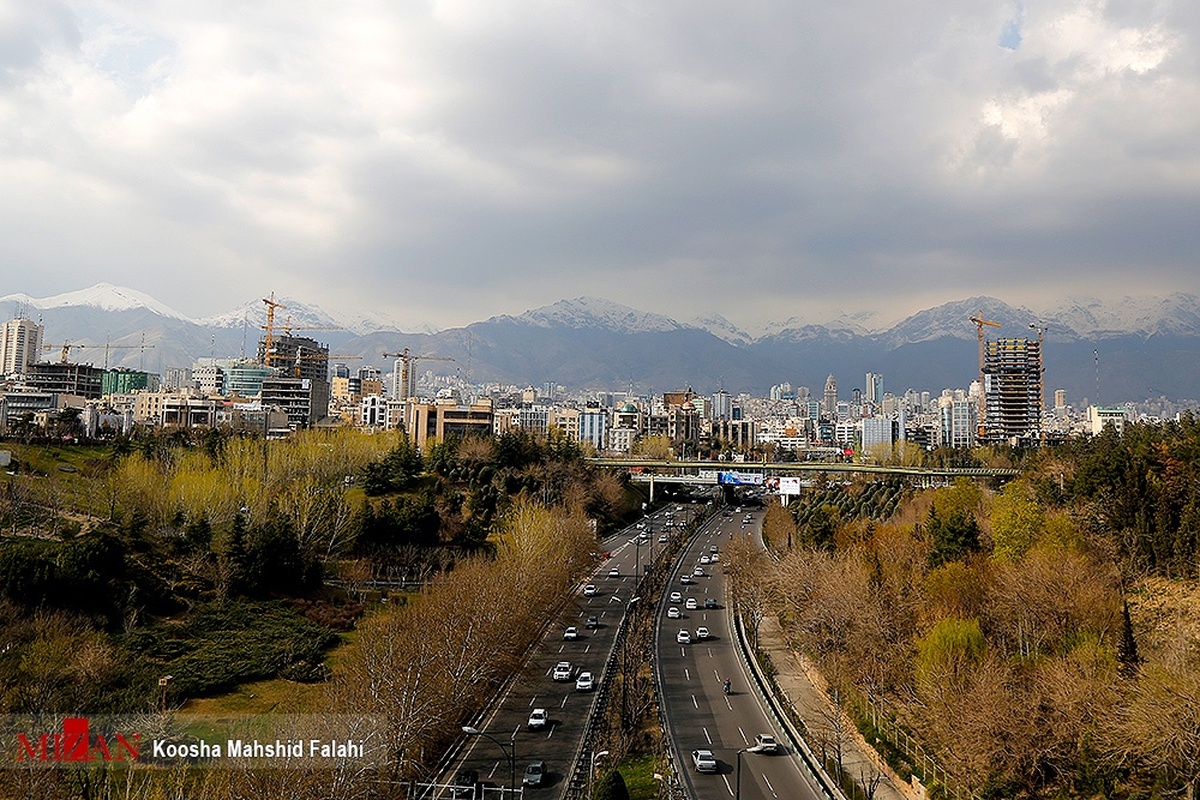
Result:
{"points": [[586, 649], [532, 700], [561, 647], [707, 736], [710, 655], [687, 674], [697, 705], [769, 786], [494, 768], [551, 733], [743, 733], [727, 786], [727, 703], [564, 702]]}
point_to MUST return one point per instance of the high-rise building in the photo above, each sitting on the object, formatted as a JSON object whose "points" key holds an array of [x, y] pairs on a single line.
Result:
{"points": [[20, 346], [722, 405], [831, 396], [1012, 389], [874, 387]]}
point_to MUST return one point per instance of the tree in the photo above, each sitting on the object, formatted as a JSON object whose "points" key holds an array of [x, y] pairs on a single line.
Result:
{"points": [[611, 786], [951, 538]]}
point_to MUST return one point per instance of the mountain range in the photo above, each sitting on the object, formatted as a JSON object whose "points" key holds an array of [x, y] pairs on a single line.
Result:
{"points": [[1131, 350]]}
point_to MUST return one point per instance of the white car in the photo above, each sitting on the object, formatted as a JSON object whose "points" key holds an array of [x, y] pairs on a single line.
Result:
{"points": [[538, 718], [704, 761], [690, 605], [584, 683], [641, 525], [712, 548], [705, 559], [571, 633], [715, 558], [614, 573], [673, 612], [698, 572], [687, 580], [563, 671], [676, 597], [589, 590], [701, 633], [765, 743], [662, 538], [683, 637]]}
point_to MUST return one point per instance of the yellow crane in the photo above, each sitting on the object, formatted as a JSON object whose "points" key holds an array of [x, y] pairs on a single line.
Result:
{"points": [[66, 347], [269, 353], [406, 360], [980, 322]]}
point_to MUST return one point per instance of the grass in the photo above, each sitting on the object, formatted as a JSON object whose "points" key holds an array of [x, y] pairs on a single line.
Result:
{"points": [[638, 772]]}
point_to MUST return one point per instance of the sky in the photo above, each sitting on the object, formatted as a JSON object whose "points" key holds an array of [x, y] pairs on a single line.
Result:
{"points": [[441, 161]]}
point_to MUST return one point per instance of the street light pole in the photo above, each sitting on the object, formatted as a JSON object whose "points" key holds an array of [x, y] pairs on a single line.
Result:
{"points": [[510, 752], [592, 770], [738, 779]]}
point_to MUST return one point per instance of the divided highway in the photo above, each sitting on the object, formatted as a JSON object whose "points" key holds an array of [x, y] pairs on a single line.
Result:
{"points": [[697, 712], [506, 729]]}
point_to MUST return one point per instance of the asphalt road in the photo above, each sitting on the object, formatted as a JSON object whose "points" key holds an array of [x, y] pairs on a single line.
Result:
{"points": [[697, 712], [568, 710]]}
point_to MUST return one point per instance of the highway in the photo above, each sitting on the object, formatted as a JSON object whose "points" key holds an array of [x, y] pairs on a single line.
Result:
{"points": [[534, 687], [697, 712]]}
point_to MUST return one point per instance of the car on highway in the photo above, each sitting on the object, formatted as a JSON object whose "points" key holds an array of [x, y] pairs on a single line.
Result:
{"points": [[673, 612], [538, 719], [676, 597], [589, 590], [690, 605], [704, 761], [571, 633], [698, 572], [563, 671], [687, 580], [705, 560], [535, 773], [765, 743], [641, 525], [662, 538], [614, 573], [712, 548], [592, 623], [715, 558], [701, 633], [683, 637], [710, 602], [585, 682]]}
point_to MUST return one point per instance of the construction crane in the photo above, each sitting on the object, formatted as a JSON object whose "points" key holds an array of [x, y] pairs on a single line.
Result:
{"points": [[66, 347], [272, 304], [301, 356], [1041, 381], [980, 322], [406, 360]]}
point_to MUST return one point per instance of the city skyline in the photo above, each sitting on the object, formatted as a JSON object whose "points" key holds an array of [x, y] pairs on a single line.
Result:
{"points": [[439, 164]]}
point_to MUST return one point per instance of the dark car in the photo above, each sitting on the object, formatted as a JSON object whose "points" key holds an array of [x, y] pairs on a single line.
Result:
{"points": [[464, 783], [534, 774], [710, 602]]}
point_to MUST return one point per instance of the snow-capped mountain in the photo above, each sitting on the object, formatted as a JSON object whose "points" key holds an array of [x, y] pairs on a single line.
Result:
{"points": [[954, 320], [723, 329], [1175, 314], [593, 313], [103, 296]]}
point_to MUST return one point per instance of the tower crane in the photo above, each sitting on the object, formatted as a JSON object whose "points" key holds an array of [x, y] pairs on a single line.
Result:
{"points": [[406, 360], [272, 304], [980, 322], [66, 347]]}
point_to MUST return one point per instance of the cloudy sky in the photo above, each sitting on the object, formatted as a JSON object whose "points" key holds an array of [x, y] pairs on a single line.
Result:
{"points": [[440, 161]]}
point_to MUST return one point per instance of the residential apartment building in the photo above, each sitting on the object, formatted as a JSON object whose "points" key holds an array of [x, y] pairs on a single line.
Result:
{"points": [[20, 346]]}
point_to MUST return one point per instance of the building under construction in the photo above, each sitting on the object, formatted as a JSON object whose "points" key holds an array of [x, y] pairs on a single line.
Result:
{"points": [[1012, 388], [301, 387]]}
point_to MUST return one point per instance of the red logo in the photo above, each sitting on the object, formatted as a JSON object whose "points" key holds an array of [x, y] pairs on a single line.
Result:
{"points": [[76, 743]]}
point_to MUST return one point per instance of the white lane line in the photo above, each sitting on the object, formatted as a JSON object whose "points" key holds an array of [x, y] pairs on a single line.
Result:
{"points": [[727, 786], [562, 647], [769, 786], [687, 674], [717, 674], [551, 733], [586, 649], [697, 705], [710, 655], [727, 704], [514, 733], [743, 733], [494, 768], [706, 736], [532, 700], [564, 702]]}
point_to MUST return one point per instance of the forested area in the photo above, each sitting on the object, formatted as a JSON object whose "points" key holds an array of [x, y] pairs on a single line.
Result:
{"points": [[1041, 640], [240, 560]]}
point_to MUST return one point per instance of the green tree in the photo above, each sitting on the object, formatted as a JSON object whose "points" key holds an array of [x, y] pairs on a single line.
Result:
{"points": [[611, 786], [951, 538], [1017, 521]]}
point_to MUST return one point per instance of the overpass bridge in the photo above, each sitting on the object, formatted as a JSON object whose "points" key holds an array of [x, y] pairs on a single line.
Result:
{"points": [[706, 473]]}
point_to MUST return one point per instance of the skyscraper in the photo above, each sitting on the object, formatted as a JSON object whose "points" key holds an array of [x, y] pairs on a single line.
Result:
{"points": [[874, 387], [831, 396], [20, 345], [1012, 389]]}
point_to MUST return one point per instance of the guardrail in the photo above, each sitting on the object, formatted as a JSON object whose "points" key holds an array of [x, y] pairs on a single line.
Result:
{"points": [[766, 691]]}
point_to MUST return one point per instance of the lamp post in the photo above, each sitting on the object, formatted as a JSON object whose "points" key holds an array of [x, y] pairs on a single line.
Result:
{"points": [[510, 752], [737, 781], [592, 770]]}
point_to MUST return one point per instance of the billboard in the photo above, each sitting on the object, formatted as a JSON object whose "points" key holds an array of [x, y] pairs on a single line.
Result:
{"points": [[732, 478], [789, 486]]}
